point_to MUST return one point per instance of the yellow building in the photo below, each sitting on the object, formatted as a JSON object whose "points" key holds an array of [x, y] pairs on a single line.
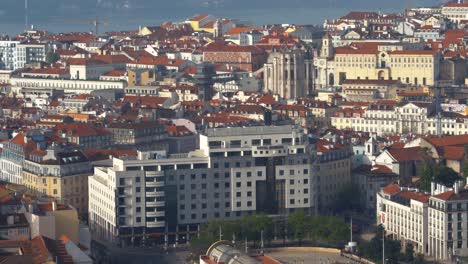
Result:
{"points": [[64, 179], [199, 21], [141, 76], [415, 67]]}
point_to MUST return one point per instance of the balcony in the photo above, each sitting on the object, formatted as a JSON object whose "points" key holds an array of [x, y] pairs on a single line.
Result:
{"points": [[155, 214], [155, 204], [155, 224], [155, 184], [155, 194]]}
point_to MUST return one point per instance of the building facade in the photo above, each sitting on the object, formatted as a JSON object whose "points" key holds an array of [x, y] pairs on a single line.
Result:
{"points": [[8, 54], [413, 117], [59, 174], [435, 223], [235, 172], [288, 73]]}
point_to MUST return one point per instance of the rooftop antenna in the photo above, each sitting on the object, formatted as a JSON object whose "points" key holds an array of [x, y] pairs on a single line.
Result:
{"points": [[406, 8], [26, 14]]}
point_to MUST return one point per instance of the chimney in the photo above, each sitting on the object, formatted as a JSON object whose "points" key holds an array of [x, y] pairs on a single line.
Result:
{"points": [[433, 188], [54, 206], [455, 188]]}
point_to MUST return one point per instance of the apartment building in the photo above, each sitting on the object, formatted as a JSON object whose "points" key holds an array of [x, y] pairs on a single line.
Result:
{"points": [[333, 169], [59, 173], [8, 54], [403, 212], [246, 58], [235, 172], [12, 158], [412, 117], [435, 223], [30, 52], [84, 135], [137, 134]]}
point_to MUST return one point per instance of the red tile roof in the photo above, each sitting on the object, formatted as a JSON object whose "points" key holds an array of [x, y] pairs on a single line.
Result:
{"points": [[115, 73], [375, 169], [40, 252], [221, 46], [177, 131], [453, 152], [80, 130], [19, 139], [103, 154], [456, 4], [405, 154], [417, 196], [152, 101], [47, 207], [391, 189], [448, 140], [351, 50]]}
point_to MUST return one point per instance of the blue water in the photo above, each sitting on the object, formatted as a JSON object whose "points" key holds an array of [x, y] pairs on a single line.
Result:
{"points": [[65, 17]]}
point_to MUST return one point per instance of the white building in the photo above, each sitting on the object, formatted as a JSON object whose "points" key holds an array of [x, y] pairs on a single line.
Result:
{"points": [[403, 213], [412, 117], [30, 52], [434, 223], [236, 171], [22, 85], [455, 12], [8, 54], [246, 38]]}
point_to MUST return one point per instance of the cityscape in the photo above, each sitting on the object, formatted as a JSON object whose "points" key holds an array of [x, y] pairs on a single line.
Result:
{"points": [[213, 139]]}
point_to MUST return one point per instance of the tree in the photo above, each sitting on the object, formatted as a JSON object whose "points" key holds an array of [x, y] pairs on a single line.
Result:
{"points": [[348, 198], [253, 225], [465, 168], [298, 224], [373, 249], [328, 229], [427, 174], [445, 175], [433, 172], [52, 57], [409, 253]]}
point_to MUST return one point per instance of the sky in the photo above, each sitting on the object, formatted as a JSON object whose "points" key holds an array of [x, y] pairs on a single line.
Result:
{"points": [[76, 15]]}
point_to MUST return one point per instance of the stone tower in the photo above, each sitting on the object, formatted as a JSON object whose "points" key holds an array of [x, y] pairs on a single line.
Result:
{"points": [[327, 46]]}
